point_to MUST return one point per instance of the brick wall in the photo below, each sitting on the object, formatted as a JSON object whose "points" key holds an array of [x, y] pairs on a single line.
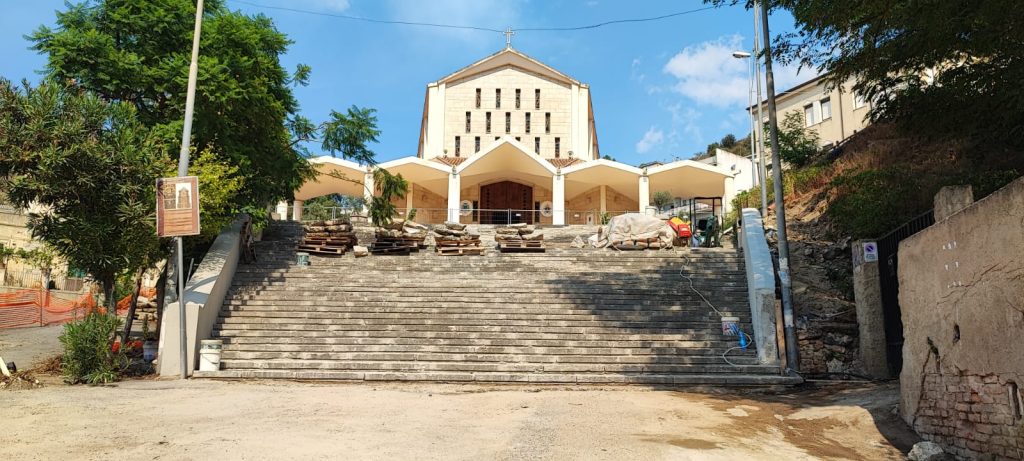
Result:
{"points": [[970, 416]]}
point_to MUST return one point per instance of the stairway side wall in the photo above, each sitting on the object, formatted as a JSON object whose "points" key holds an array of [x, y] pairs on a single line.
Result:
{"points": [[761, 286]]}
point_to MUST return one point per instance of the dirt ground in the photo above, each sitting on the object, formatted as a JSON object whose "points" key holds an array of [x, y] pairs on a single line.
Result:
{"points": [[202, 419], [28, 346]]}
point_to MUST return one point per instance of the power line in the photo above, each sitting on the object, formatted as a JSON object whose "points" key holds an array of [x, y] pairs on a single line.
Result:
{"points": [[483, 29]]}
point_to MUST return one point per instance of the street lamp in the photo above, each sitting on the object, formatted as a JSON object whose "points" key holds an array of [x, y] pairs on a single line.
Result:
{"points": [[757, 169]]}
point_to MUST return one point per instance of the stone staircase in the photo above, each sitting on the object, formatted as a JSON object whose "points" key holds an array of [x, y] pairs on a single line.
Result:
{"points": [[565, 316]]}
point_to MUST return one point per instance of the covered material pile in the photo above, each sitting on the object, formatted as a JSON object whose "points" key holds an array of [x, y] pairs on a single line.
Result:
{"points": [[452, 238], [520, 237], [400, 237], [634, 231], [328, 238]]}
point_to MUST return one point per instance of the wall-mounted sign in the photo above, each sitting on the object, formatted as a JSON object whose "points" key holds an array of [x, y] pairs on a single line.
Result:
{"points": [[177, 206], [870, 252]]}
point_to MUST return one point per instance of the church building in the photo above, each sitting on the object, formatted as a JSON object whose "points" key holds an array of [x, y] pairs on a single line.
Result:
{"points": [[510, 139]]}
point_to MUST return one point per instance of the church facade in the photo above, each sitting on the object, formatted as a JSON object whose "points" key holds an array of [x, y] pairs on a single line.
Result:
{"points": [[510, 139]]}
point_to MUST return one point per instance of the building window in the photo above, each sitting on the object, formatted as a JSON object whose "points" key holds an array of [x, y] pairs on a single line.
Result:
{"points": [[468, 123], [536, 98], [527, 122], [826, 108], [478, 98], [517, 139], [518, 97], [536, 145], [508, 122], [497, 138], [497, 98], [458, 145], [487, 123], [859, 100], [558, 147], [476, 144], [809, 115], [547, 122]]}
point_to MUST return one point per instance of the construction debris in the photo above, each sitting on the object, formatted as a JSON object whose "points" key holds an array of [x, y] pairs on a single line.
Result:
{"points": [[328, 238], [634, 231], [400, 237], [520, 237], [452, 239]]}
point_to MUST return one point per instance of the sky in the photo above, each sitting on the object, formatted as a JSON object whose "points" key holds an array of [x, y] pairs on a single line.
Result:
{"points": [[661, 90]]}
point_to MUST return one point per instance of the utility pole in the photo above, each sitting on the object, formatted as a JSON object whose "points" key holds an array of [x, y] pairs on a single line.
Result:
{"points": [[186, 139], [761, 168], [792, 347]]}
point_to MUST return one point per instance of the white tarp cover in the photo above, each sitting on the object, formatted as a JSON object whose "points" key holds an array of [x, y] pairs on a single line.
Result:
{"points": [[634, 226]]}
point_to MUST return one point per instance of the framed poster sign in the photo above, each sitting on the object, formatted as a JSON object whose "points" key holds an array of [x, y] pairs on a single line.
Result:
{"points": [[177, 206]]}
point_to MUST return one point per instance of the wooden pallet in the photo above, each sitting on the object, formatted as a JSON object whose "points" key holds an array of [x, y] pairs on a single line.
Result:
{"points": [[440, 242], [416, 242], [390, 250], [322, 250], [338, 242], [524, 246], [460, 251]]}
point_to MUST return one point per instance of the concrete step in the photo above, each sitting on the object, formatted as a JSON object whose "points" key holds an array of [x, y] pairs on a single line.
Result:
{"points": [[598, 365]]}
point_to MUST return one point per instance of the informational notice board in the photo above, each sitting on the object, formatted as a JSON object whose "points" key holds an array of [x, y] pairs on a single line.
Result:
{"points": [[177, 206]]}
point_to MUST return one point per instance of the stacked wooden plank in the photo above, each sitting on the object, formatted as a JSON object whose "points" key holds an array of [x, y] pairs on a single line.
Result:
{"points": [[399, 238], [328, 238], [452, 239], [519, 238], [630, 244]]}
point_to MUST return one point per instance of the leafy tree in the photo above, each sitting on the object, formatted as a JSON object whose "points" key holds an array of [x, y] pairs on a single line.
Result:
{"points": [[349, 133], [608, 157], [138, 52], [728, 141], [220, 188], [91, 166], [388, 186], [797, 144], [662, 199], [7, 253]]}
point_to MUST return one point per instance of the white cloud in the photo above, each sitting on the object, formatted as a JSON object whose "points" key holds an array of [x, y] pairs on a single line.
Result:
{"points": [[652, 138], [635, 73], [708, 74]]}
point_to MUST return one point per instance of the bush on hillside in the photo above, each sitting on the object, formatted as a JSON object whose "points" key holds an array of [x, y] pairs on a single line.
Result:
{"points": [[88, 353]]}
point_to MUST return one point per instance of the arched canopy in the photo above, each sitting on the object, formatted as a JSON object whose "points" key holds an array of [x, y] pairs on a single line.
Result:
{"points": [[506, 159], [688, 179], [325, 181], [618, 176], [425, 174]]}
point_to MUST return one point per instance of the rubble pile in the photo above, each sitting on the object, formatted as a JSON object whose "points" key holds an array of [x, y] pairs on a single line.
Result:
{"points": [[452, 238], [400, 237], [328, 238], [519, 237]]}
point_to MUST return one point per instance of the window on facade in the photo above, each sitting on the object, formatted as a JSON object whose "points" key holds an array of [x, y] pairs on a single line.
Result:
{"points": [[517, 139], [497, 138], [826, 108], [527, 122], [536, 145], [508, 122], [458, 145], [478, 98], [859, 100], [809, 115], [487, 122], [497, 98], [547, 122], [476, 144], [519, 94], [558, 147], [536, 98], [468, 124]]}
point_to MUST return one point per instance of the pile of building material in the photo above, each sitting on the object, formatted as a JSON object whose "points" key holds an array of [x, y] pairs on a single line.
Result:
{"points": [[328, 238], [400, 237], [634, 231], [519, 238], [452, 239]]}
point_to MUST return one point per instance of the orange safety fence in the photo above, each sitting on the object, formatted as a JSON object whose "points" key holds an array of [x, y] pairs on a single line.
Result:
{"points": [[38, 307]]}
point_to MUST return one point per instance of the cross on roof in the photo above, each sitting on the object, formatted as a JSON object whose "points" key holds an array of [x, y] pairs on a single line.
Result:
{"points": [[508, 36]]}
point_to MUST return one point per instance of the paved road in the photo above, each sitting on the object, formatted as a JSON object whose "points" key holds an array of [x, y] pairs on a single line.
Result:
{"points": [[283, 420]]}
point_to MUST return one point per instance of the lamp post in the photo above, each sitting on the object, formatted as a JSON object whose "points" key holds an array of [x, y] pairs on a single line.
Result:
{"points": [[757, 168], [763, 171]]}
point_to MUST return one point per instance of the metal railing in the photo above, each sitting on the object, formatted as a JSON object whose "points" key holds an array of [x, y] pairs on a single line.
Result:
{"points": [[486, 216]]}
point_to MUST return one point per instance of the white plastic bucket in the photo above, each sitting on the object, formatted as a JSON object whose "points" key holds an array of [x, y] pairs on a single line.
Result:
{"points": [[729, 324], [209, 354]]}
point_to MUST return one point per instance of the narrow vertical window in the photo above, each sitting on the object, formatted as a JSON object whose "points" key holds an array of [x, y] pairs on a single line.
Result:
{"points": [[458, 145], [536, 98], [508, 122], [826, 108], [487, 123], [527, 122], [497, 98], [547, 122], [517, 139], [476, 144], [468, 121], [478, 98], [518, 97], [809, 115], [558, 147], [536, 145]]}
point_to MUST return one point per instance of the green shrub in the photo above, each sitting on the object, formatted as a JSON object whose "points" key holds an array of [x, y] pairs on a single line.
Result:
{"points": [[88, 355], [867, 204]]}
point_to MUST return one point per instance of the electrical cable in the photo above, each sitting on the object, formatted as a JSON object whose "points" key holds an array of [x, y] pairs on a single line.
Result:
{"points": [[739, 332], [476, 28]]}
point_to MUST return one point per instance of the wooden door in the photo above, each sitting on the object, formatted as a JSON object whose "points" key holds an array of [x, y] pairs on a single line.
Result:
{"points": [[506, 202]]}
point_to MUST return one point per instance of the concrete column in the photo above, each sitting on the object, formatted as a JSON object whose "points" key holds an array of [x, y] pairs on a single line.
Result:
{"points": [[408, 200], [728, 194], [867, 293], [454, 196], [604, 198], [645, 193], [952, 199], [282, 210], [558, 200], [367, 191], [297, 210]]}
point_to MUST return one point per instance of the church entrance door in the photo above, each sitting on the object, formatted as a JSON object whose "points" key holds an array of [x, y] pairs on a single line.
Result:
{"points": [[506, 202]]}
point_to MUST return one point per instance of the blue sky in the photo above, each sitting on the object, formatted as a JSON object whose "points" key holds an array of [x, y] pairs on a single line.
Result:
{"points": [[660, 90]]}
